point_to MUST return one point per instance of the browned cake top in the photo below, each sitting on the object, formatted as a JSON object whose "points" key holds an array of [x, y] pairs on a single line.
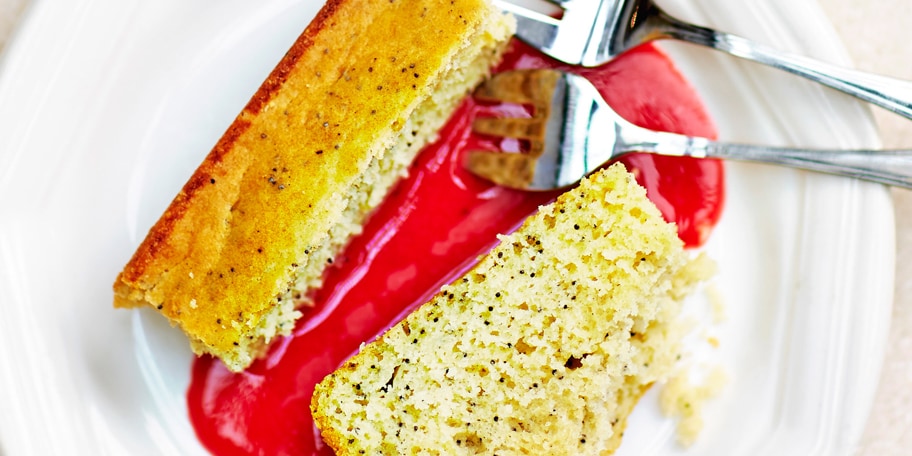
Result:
{"points": [[227, 246]]}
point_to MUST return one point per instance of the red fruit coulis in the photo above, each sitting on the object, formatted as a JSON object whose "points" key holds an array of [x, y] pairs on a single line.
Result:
{"points": [[428, 231]]}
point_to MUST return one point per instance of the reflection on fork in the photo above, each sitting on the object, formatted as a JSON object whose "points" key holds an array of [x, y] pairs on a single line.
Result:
{"points": [[530, 88]]}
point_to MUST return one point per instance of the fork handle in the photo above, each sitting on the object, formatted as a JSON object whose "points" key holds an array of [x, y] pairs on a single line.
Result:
{"points": [[892, 94], [891, 167]]}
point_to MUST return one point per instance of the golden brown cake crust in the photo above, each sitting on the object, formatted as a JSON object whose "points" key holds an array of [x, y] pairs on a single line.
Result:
{"points": [[223, 252]]}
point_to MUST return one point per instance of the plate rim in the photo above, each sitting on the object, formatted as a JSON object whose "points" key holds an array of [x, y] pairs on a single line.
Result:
{"points": [[39, 12]]}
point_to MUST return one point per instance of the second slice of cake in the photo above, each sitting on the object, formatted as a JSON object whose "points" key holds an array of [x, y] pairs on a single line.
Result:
{"points": [[543, 348]]}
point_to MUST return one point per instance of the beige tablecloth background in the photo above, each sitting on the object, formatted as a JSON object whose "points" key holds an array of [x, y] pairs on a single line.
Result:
{"points": [[878, 35]]}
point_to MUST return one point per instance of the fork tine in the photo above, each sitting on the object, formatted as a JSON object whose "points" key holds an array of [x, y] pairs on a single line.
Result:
{"points": [[537, 32], [522, 87], [533, 130], [535, 28], [564, 39], [508, 170], [519, 87], [511, 127]]}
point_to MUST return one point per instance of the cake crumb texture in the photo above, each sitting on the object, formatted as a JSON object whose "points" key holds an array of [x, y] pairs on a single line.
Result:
{"points": [[334, 126], [684, 399], [544, 347]]}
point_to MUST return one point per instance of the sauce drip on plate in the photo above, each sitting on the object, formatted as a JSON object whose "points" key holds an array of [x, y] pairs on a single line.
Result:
{"points": [[428, 231]]}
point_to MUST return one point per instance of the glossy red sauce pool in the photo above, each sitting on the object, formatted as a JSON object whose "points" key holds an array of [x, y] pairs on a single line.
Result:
{"points": [[427, 232]]}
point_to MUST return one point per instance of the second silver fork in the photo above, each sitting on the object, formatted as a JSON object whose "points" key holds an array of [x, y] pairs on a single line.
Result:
{"points": [[592, 32], [574, 132]]}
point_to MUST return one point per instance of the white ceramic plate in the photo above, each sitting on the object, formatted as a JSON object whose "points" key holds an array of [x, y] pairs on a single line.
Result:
{"points": [[106, 106]]}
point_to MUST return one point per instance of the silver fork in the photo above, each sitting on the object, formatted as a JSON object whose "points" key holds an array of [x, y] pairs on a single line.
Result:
{"points": [[592, 32], [573, 132]]}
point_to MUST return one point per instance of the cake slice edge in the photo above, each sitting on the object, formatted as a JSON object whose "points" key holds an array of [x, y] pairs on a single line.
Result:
{"points": [[512, 356]]}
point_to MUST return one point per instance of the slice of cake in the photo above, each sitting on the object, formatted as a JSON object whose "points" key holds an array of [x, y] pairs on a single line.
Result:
{"points": [[543, 348], [367, 84]]}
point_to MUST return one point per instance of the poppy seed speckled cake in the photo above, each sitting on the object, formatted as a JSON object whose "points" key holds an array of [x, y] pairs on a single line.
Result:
{"points": [[333, 127]]}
